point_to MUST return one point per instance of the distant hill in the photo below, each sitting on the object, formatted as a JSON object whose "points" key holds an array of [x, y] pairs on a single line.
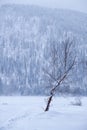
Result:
{"points": [[25, 33], [63, 19]]}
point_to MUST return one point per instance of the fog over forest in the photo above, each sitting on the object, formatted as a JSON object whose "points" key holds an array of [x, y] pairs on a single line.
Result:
{"points": [[32, 46]]}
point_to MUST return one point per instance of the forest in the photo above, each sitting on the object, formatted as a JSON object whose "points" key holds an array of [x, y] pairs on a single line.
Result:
{"points": [[33, 46]]}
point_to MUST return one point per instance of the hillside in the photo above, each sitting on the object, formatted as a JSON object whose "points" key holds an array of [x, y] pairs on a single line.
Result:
{"points": [[26, 34]]}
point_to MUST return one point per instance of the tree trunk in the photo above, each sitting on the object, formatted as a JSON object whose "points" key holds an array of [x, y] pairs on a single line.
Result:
{"points": [[48, 103]]}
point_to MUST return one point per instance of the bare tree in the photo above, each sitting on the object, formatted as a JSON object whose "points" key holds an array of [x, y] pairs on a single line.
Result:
{"points": [[63, 60]]}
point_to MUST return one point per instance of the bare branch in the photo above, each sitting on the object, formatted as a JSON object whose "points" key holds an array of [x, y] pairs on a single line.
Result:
{"points": [[50, 75]]}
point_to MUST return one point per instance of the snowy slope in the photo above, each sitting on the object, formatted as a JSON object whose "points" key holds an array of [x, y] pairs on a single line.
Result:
{"points": [[26, 113], [26, 36]]}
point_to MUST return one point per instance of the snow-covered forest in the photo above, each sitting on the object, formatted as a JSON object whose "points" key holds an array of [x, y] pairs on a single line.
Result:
{"points": [[29, 38]]}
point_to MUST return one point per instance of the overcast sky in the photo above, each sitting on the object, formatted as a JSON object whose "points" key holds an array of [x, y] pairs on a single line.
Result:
{"points": [[79, 5]]}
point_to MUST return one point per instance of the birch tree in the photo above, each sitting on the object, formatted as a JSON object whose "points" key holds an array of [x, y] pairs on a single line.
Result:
{"points": [[63, 60]]}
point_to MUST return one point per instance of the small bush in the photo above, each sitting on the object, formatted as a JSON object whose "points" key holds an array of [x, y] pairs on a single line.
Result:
{"points": [[77, 102]]}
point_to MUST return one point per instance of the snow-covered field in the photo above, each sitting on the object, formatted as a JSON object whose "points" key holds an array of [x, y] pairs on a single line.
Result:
{"points": [[27, 113]]}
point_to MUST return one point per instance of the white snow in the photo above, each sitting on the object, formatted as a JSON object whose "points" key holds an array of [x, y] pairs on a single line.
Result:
{"points": [[27, 113]]}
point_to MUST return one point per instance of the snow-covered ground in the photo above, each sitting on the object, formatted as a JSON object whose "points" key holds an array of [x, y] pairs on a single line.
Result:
{"points": [[27, 113]]}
